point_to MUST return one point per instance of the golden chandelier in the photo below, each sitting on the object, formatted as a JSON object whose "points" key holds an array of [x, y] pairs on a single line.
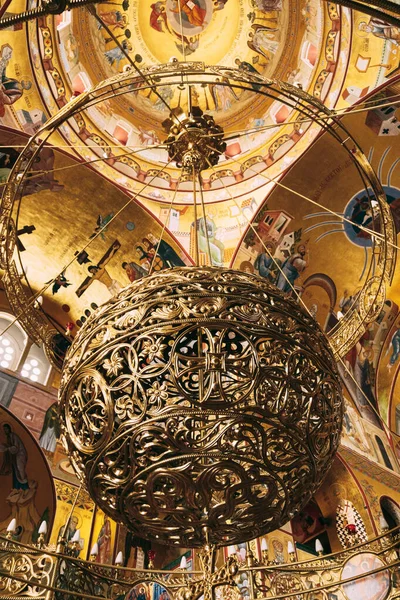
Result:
{"points": [[201, 406]]}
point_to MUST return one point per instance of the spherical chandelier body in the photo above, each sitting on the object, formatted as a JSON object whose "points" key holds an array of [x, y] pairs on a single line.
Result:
{"points": [[201, 403]]}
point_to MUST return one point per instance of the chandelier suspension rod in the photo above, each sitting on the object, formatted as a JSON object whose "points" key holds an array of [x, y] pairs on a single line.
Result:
{"points": [[164, 225], [196, 232], [205, 219], [188, 88]]}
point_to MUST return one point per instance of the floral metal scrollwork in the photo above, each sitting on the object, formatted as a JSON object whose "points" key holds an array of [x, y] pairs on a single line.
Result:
{"points": [[201, 397]]}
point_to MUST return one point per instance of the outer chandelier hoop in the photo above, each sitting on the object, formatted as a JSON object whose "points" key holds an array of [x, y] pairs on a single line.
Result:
{"points": [[372, 296]]}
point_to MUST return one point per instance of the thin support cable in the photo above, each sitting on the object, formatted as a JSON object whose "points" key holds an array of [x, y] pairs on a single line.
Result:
{"points": [[153, 87], [164, 227], [299, 298], [47, 285], [322, 206], [36, 174]]}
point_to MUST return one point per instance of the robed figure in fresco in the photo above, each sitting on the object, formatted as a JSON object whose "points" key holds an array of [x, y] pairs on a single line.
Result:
{"points": [[104, 542], [15, 459], [11, 89], [20, 501], [50, 430], [192, 10]]}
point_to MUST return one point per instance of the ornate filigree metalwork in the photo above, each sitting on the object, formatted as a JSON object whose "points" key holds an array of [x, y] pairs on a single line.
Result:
{"points": [[372, 296], [372, 566], [27, 572], [212, 577], [201, 398], [195, 141]]}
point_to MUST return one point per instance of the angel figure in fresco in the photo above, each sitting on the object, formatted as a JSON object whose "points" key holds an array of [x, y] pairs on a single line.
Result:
{"points": [[11, 89], [59, 282], [261, 40], [190, 44], [222, 94], [115, 55], [101, 223]]}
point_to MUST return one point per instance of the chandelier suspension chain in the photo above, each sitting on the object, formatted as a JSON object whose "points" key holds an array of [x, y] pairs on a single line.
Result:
{"points": [[196, 233]]}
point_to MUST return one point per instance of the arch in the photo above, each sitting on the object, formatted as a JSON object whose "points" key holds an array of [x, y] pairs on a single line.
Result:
{"points": [[326, 283], [16, 347], [390, 510]]}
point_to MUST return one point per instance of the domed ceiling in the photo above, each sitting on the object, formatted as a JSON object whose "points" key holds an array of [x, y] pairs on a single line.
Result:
{"points": [[303, 43], [325, 49]]}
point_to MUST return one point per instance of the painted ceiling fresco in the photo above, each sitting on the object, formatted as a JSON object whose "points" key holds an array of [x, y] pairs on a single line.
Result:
{"points": [[291, 183], [281, 188]]}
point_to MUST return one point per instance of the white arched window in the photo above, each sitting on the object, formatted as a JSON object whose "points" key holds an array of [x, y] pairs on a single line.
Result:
{"points": [[36, 366], [19, 354], [12, 343]]}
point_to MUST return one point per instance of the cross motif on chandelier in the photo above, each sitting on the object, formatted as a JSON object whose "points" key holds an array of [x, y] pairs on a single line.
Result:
{"points": [[212, 577]]}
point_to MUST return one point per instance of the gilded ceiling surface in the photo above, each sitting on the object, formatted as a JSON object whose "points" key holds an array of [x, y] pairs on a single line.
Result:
{"points": [[276, 173]]}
